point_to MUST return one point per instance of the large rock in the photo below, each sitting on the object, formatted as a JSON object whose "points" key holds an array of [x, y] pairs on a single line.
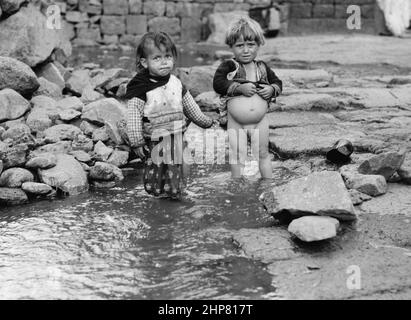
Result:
{"points": [[38, 120], [307, 102], [105, 172], [385, 164], [303, 77], [58, 147], [61, 132], [219, 22], [46, 104], [321, 193], [68, 175], [20, 133], [105, 110], [101, 151], [373, 185], [311, 139], [27, 37], [69, 115], [208, 101], [197, 79], [50, 72], [12, 105], [10, 6], [79, 81], [17, 76], [42, 161], [49, 89], [36, 188], [118, 158], [314, 228], [12, 196], [68, 103], [15, 156], [285, 119], [15, 177]]}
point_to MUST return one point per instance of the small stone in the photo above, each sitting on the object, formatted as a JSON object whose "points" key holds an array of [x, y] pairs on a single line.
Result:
{"points": [[69, 115], [12, 196], [105, 172], [43, 161], [101, 151], [313, 228], [385, 164], [81, 155], [118, 158], [36, 188]]}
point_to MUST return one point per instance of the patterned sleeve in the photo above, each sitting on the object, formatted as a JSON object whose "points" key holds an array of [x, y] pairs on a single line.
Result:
{"points": [[135, 111], [193, 112]]}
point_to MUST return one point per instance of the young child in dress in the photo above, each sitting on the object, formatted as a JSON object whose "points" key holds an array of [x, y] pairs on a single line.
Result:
{"points": [[158, 109], [246, 86]]}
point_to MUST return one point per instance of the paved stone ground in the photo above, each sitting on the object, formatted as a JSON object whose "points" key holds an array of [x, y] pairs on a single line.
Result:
{"points": [[342, 86]]}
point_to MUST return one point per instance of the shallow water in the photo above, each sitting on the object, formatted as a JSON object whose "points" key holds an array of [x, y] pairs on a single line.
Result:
{"points": [[124, 244]]}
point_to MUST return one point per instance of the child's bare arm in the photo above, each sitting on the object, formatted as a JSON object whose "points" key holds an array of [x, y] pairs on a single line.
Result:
{"points": [[194, 113]]}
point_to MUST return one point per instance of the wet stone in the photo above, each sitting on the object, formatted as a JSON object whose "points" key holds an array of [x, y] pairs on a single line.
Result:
{"points": [[385, 164], [12, 196], [36, 188], [265, 244], [321, 193], [15, 177], [43, 161], [314, 228]]}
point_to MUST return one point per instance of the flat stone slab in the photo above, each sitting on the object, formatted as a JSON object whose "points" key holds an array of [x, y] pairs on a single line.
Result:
{"points": [[265, 244], [307, 102], [298, 119], [320, 193], [396, 201], [372, 97], [300, 76], [311, 139]]}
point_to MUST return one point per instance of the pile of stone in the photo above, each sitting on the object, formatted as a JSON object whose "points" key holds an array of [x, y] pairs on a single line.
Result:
{"points": [[58, 130], [315, 204]]}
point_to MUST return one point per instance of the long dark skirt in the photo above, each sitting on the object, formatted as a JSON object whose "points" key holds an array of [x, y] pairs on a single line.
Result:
{"points": [[163, 168]]}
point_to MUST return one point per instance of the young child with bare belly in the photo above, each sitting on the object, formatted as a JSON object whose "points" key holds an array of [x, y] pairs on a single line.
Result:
{"points": [[246, 86]]}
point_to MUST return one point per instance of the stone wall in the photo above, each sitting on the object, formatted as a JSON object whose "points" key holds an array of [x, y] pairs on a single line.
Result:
{"points": [[123, 21]]}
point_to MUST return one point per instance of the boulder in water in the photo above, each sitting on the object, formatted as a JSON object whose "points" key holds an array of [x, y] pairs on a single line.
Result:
{"points": [[15, 177], [68, 175], [12, 196]]}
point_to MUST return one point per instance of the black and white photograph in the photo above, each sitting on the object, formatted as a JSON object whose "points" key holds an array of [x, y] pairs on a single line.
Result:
{"points": [[224, 151]]}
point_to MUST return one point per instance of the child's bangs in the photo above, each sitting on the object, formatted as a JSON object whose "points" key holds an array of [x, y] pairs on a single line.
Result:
{"points": [[247, 29], [162, 40]]}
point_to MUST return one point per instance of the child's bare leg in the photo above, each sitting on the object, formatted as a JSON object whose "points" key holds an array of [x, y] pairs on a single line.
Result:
{"points": [[260, 144], [237, 138]]}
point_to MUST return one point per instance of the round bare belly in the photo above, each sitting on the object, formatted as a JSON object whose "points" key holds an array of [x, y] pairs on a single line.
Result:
{"points": [[247, 110]]}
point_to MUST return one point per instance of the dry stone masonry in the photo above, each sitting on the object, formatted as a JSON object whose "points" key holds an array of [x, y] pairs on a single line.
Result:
{"points": [[90, 22]]}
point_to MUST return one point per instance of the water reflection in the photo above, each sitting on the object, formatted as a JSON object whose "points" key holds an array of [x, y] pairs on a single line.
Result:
{"points": [[123, 243]]}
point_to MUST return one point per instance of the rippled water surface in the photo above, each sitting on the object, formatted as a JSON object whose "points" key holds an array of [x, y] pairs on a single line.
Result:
{"points": [[123, 243]]}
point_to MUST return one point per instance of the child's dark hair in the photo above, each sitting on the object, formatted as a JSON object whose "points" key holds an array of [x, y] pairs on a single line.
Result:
{"points": [[153, 39], [247, 28]]}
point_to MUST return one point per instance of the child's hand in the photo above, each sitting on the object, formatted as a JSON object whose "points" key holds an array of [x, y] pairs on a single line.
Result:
{"points": [[215, 125], [266, 92], [140, 152], [247, 89]]}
